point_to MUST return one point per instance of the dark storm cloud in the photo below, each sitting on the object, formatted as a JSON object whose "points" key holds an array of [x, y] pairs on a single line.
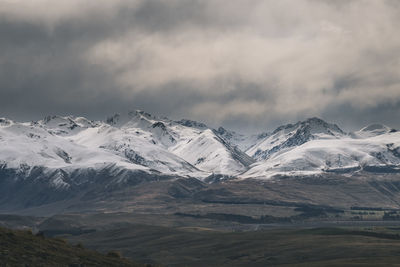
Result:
{"points": [[249, 64], [44, 69], [43, 72]]}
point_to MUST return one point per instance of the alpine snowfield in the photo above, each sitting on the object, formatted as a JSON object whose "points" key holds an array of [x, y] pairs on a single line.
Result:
{"points": [[138, 141]]}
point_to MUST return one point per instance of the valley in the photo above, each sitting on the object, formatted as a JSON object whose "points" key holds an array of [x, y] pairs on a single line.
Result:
{"points": [[178, 193], [327, 220]]}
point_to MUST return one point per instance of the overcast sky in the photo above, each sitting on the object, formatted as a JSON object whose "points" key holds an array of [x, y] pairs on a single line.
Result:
{"points": [[247, 65]]}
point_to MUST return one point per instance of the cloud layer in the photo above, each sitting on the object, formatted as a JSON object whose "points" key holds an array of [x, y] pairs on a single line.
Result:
{"points": [[247, 64]]}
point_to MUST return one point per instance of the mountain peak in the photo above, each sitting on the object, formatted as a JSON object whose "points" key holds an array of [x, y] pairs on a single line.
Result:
{"points": [[371, 130], [141, 113], [132, 118], [64, 125], [291, 135], [191, 123], [318, 124], [222, 131], [56, 121], [375, 127], [315, 120], [50, 118], [5, 122], [112, 120], [313, 125]]}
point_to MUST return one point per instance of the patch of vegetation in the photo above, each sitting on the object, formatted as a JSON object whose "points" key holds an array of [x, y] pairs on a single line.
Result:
{"points": [[356, 246], [307, 212], [352, 232], [391, 215], [366, 208], [236, 218], [22, 248]]}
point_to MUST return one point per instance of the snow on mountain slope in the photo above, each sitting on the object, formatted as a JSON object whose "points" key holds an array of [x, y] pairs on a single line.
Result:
{"points": [[26, 145], [192, 141], [292, 135], [160, 134], [137, 146], [64, 125], [372, 130], [380, 153], [136, 140], [241, 141], [139, 141], [209, 152]]}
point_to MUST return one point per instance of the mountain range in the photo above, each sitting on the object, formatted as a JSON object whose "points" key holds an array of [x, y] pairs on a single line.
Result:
{"points": [[139, 141], [65, 155]]}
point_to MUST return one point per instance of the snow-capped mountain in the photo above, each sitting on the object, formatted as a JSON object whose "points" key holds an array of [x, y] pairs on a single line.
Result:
{"points": [[191, 141], [314, 146], [241, 141], [135, 141], [209, 152], [28, 145], [31, 145], [60, 159], [138, 142], [64, 125], [134, 145], [291, 135], [345, 155], [372, 130]]}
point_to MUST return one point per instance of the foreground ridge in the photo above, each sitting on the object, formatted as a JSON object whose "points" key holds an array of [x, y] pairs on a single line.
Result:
{"points": [[21, 247]]}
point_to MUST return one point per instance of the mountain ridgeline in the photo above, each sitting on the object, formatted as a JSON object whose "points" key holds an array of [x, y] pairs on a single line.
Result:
{"points": [[65, 155]]}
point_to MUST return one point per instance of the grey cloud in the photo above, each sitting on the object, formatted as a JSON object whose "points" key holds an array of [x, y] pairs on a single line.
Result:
{"points": [[249, 65], [353, 119]]}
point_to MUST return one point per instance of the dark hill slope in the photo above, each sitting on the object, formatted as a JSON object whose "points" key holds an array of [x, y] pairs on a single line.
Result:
{"points": [[22, 248]]}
